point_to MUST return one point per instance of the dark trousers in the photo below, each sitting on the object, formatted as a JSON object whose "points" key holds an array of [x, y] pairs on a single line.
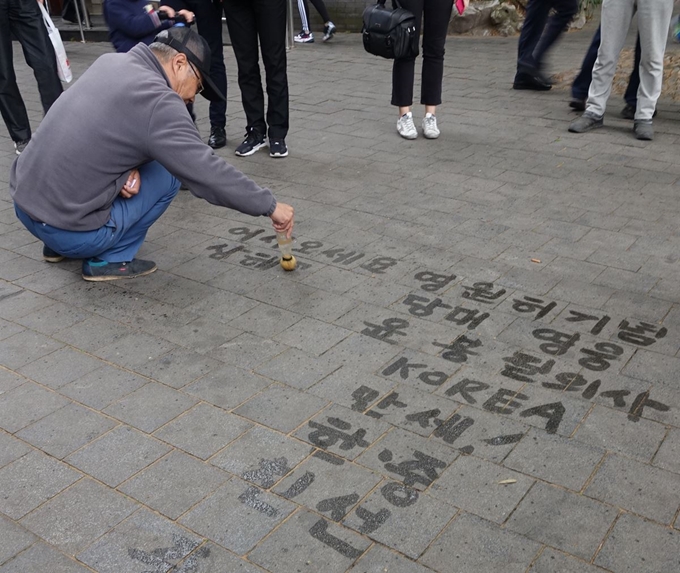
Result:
{"points": [[24, 20], [264, 20], [540, 30], [579, 89], [432, 16], [320, 8]]}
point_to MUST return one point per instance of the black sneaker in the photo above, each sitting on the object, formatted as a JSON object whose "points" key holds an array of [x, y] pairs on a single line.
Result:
{"points": [[628, 112], [51, 256], [577, 104], [329, 31], [19, 146], [96, 270], [531, 81], [277, 147], [253, 141], [218, 137]]}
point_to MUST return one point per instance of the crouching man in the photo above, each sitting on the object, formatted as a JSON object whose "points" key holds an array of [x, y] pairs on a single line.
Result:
{"points": [[108, 159]]}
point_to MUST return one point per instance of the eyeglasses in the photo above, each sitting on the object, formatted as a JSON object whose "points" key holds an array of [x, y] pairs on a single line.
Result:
{"points": [[200, 83]]}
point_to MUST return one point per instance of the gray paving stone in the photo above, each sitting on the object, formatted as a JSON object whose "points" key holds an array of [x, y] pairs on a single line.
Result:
{"points": [[53, 318], [8, 329], [551, 561], [238, 515], [25, 347], [473, 544], [636, 487], [247, 351], [66, 430], [297, 369], [401, 518], [93, 333], [143, 540], [174, 484], [614, 431], [281, 408], [265, 320], [27, 403], [203, 430], [261, 456], [42, 557], [211, 558], [134, 349], [306, 543], [9, 380], [563, 520], [658, 368], [103, 386], [473, 485], [30, 481], [378, 558], [16, 302], [555, 459], [118, 455], [151, 406], [344, 384], [313, 336], [61, 367], [636, 545], [364, 350], [668, 456], [325, 306], [14, 539], [227, 387], [76, 517], [11, 449]]}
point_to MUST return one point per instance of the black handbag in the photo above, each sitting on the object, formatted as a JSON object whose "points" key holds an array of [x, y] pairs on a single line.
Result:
{"points": [[390, 33]]}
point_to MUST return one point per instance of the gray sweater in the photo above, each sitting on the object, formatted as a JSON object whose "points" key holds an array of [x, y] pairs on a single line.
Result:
{"points": [[119, 115]]}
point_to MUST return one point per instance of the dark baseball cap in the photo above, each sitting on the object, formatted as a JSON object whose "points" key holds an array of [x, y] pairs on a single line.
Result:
{"points": [[197, 51]]}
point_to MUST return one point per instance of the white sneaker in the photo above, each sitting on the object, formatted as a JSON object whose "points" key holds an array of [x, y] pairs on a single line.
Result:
{"points": [[430, 129], [406, 127]]}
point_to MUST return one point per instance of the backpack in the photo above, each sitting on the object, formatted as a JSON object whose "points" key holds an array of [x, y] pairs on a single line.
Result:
{"points": [[389, 33]]}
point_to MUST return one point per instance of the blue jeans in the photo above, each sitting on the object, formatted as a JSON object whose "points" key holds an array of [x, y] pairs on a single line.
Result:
{"points": [[123, 234]]}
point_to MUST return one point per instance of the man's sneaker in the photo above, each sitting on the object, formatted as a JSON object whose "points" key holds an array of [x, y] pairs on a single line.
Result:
{"points": [[406, 127], [51, 256], [643, 129], [329, 31], [19, 146], [577, 104], [531, 81], [304, 38], [585, 123], [97, 270], [218, 137], [254, 140], [277, 147], [430, 130]]}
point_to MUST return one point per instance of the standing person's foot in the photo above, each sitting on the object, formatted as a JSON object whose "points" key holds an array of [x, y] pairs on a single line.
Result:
{"points": [[430, 129], [643, 129], [329, 31], [577, 104], [97, 270], [218, 137], [277, 147], [51, 256], [406, 127], [254, 140], [531, 81], [628, 112], [19, 146], [586, 122], [304, 38]]}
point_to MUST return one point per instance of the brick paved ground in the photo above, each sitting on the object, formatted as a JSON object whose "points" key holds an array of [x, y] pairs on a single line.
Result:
{"points": [[474, 369]]}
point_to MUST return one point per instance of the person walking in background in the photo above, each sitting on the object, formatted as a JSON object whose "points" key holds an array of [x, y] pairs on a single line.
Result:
{"points": [[436, 15], [306, 36], [579, 89], [539, 32], [654, 17], [265, 20], [23, 19]]}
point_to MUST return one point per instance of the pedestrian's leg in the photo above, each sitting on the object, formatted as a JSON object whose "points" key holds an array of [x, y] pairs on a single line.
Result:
{"points": [[12, 107], [322, 10], [630, 96], [29, 28], [654, 17], [403, 71], [615, 22], [556, 26], [243, 33], [303, 8], [436, 16], [579, 89], [271, 29], [532, 29], [132, 217]]}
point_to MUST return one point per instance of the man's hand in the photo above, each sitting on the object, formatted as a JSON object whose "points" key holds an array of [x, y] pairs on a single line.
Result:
{"points": [[132, 185], [282, 217], [188, 16], [169, 11]]}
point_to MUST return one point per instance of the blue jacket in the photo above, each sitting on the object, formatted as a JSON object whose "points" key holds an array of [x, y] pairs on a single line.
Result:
{"points": [[130, 24]]}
